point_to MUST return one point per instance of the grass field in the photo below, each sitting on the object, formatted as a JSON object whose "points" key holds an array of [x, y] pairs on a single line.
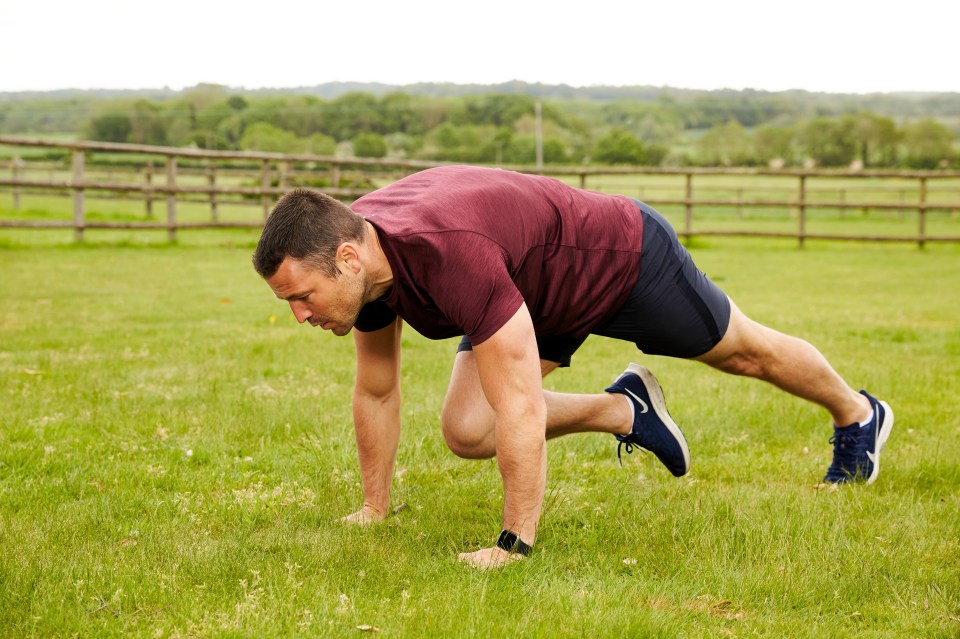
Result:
{"points": [[175, 452]]}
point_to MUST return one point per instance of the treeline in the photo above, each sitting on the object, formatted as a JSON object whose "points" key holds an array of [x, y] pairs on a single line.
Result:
{"points": [[669, 127]]}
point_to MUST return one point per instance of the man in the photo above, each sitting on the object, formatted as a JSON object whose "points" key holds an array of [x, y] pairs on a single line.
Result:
{"points": [[524, 268]]}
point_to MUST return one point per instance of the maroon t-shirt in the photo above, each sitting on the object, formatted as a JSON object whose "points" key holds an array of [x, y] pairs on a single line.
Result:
{"points": [[468, 245]]}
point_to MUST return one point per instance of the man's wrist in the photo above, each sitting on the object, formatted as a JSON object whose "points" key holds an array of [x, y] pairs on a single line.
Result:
{"points": [[375, 510], [511, 542]]}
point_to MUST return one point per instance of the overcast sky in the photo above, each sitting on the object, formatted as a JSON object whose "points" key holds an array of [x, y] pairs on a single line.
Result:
{"points": [[849, 46]]}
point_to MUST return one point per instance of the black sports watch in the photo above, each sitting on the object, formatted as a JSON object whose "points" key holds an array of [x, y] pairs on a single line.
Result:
{"points": [[510, 542]]}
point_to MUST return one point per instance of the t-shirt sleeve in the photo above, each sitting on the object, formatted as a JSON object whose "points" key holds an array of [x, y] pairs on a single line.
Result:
{"points": [[472, 285], [374, 316]]}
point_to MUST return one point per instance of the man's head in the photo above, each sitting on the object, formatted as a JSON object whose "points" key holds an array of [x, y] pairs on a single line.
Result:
{"points": [[311, 254], [307, 226]]}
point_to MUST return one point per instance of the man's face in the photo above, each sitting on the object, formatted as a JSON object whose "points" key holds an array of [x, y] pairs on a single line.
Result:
{"points": [[331, 304]]}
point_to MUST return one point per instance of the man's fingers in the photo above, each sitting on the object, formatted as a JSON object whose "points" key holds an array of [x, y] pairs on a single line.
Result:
{"points": [[489, 558], [355, 518], [362, 517]]}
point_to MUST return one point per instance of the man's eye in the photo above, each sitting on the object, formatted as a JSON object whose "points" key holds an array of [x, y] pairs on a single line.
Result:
{"points": [[303, 298]]}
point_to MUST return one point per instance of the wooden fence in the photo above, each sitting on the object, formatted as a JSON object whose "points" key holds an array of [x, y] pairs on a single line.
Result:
{"points": [[275, 174]]}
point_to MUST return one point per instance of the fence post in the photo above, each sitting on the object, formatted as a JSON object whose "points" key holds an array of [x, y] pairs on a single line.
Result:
{"points": [[15, 167], [264, 185], [922, 214], [172, 198], [802, 210], [285, 175], [688, 218], [212, 183], [583, 179], [78, 216], [335, 176], [148, 191]]}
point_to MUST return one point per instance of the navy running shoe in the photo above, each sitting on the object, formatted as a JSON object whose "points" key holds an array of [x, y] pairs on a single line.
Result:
{"points": [[856, 448], [653, 428]]}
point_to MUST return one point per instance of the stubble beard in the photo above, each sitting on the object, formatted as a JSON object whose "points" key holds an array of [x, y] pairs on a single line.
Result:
{"points": [[358, 297]]}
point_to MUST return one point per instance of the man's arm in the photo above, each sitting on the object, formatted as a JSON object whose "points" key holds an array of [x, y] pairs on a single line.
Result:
{"points": [[376, 417], [509, 367]]}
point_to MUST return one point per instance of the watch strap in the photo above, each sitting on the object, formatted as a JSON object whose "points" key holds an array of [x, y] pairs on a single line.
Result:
{"points": [[510, 542]]}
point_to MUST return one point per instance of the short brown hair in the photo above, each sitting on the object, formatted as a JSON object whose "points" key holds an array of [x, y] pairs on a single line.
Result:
{"points": [[306, 225]]}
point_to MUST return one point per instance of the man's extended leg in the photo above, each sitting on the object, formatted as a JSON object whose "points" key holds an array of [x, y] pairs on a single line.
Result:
{"points": [[789, 363], [468, 420], [862, 422]]}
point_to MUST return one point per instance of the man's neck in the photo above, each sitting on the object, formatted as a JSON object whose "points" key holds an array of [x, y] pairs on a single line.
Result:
{"points": [[380, 276]]}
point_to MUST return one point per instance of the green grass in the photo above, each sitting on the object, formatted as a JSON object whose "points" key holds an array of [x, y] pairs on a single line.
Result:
{"points": [[175, 452]]}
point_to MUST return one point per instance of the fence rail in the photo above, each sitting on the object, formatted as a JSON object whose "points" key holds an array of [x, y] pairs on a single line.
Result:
{"points": [[276, 174]]}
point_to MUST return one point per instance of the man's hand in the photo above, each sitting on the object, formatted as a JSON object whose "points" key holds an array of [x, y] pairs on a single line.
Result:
{"points": [[489, 558], [366, 515]]}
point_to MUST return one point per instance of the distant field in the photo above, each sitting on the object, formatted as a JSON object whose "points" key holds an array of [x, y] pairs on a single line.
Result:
{"points": [[175, 452]]}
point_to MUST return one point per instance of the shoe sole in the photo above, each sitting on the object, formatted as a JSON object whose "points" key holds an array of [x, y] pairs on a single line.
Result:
{"points": [[882, 435], [660, 408]]}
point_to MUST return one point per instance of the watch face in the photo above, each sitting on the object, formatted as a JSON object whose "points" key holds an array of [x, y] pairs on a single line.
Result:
{"points": [[510, 542]]}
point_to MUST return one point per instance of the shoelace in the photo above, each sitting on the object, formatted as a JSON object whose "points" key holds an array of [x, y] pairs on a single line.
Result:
{"points": [[629, 446], [845, 449]]}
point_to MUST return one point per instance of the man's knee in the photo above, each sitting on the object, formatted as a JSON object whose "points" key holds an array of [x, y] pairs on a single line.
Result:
{"points": [[747, 348], [742, 363], [467, 436]]}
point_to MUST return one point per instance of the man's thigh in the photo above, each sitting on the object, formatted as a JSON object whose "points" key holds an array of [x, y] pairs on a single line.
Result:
{"points": [[674, 309]]}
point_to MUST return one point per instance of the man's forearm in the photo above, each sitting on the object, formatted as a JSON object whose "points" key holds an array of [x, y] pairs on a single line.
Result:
{"points": [[522, 458], [377, 429]]}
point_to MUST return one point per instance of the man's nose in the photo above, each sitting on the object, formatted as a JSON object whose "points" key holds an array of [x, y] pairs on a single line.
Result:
{"points": [[300, 310]]}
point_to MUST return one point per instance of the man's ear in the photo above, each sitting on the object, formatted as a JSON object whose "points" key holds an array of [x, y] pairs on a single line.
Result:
{"points": [[349, 256]]}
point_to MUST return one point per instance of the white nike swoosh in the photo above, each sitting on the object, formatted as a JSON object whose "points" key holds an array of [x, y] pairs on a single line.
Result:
{"points": [[643, 404], [872, 457]]}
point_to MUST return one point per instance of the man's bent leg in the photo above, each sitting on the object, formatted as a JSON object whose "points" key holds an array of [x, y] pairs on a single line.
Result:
{"points": [[468, 420], [789, 363]]}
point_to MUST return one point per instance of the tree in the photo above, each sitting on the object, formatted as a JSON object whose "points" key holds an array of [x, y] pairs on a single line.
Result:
{"points": [[209, 118], [927, 144], [620, 147], [350, 114], [875, 138], [147, 125], [237, 102], [495, 109], [319, 144], [230, 130], [724, 145], [828, 142], [369, 145], [401, 114], [773, 143], [653, 123], [110, 127], [261, 136]]}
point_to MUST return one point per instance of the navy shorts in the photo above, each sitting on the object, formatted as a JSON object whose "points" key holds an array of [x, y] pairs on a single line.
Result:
{"points": [[673, 309]]}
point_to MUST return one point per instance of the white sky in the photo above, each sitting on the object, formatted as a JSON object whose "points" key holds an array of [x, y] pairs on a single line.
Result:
{"points": [[849, 46]]}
